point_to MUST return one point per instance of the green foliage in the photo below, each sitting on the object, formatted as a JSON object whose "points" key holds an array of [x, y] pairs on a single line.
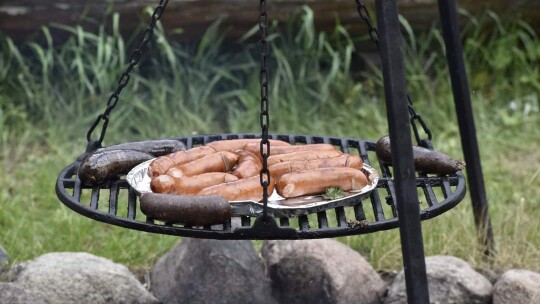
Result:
{"points": [[50, 94]]}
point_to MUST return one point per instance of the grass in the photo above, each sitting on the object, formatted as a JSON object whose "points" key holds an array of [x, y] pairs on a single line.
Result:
{"points": [[50, 93]]}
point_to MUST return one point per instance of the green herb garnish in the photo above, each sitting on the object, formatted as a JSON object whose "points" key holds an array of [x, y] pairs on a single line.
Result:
{"points": [[333, 193]]}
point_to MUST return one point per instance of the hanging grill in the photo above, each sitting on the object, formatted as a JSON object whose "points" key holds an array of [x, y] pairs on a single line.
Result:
{"points": [[116, 202]]}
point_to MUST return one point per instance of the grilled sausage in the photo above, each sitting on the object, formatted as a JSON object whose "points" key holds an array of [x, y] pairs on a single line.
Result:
{"points": [[425, 160], [248, 164], [108, 164], [189, 185], [164, 163], [232, 145], [275, 150], [222, 161], [186, 209], [345, 160], [155, 147], [246, 189], [316, 181], [302, 155]]}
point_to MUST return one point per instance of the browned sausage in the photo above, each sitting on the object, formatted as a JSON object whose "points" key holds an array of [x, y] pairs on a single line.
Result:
{"points": [[248, 164], [222, 161], [302, 155], [345, 160], [186, 209], [425, 160], [246, 189], [316, 181], [189, 185], [237, 144], [255, 148], [175, 172], [161, 164]]}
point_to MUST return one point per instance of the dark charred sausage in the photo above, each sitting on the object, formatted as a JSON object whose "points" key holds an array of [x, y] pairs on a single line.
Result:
{"points": [[186, 209], [425, 160], [155, 147], [105, 165]]}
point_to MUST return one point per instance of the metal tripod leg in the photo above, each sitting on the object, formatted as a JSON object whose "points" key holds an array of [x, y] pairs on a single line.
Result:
{"points": [[462, 100], [402, 158]]}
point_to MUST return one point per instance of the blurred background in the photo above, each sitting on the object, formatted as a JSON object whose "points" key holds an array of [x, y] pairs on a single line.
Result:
{"points": [[60, 61]]}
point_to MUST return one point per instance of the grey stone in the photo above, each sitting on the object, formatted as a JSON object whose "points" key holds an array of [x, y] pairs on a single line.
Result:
{"points": [[211, 271], [11, 293], [451, 281], [320, 271], [517, 286], [70, 277]]}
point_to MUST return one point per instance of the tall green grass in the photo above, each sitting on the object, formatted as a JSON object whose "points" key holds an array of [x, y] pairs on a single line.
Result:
{"points": [[50, 93]]}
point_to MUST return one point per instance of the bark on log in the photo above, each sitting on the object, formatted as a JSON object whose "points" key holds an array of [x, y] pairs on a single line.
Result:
{"points": [[19, 18]]}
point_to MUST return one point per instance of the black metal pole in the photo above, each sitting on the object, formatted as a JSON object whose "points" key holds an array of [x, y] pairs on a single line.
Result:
{"points": [[412, 246], [467, 129]]}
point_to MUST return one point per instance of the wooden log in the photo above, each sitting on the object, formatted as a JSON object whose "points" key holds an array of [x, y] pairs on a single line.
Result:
{"points": [[19, 18]]}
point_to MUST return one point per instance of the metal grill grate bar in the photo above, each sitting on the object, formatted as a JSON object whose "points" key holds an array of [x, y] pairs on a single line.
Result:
{"points": [[303, 222], [94, 198], [132, 201], [322, 220], [340, 217], [113, 199]]}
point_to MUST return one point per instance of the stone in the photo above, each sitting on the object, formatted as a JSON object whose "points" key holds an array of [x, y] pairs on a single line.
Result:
{"points": [[517, 286], [72, 277], [320, 271], [11, 293], [451, 281], [211, 271]]}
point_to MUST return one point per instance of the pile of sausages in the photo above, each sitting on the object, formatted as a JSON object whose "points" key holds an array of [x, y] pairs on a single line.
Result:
{"points": [[231, 168]]}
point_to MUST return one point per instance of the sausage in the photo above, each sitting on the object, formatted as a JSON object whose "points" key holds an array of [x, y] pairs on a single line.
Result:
{"points": [[232, 145], [345, 160], [255, 148], [316, 181], [175, 172], [189, 185], [186, 209], [302, 155], [154, 147], [248, 164], [222, 161], [246, 189], [164, 163], [425, 160], [105, 165]]}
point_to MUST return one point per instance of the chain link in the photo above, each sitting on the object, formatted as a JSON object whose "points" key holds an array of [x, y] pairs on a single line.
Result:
{"points": [[125, 77], [414, 117], [264, 117]]}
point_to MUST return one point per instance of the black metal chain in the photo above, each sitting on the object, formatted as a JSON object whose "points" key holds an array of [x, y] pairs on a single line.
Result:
{"points": [[125, 77], [414, 116], [264, 117]]}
